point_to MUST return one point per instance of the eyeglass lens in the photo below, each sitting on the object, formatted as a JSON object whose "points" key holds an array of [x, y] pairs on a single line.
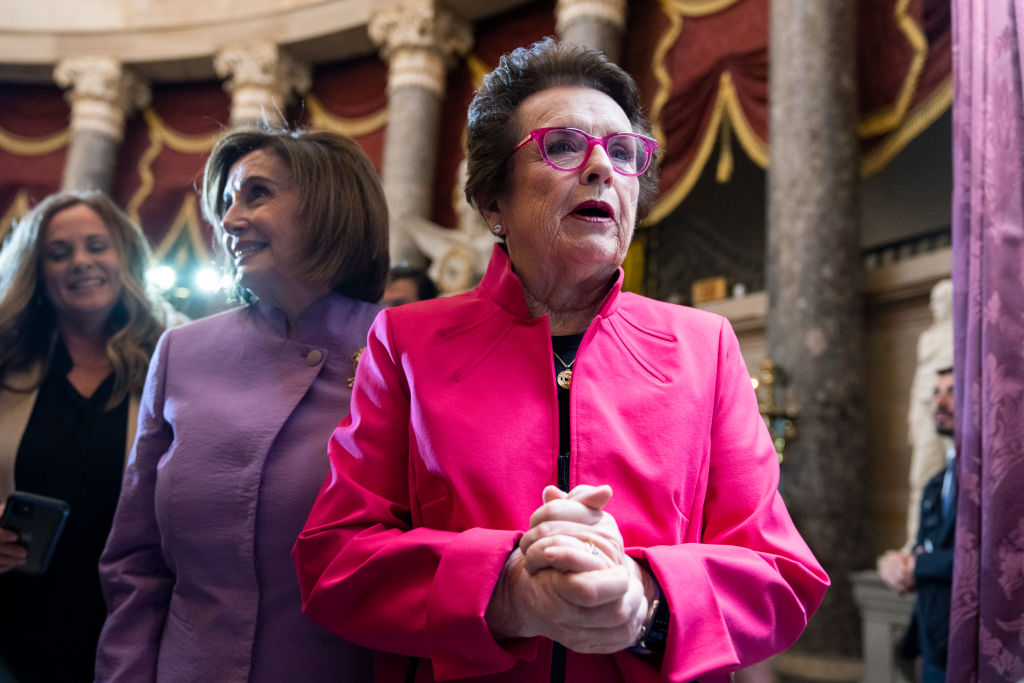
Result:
{"points": [[567, 149]]}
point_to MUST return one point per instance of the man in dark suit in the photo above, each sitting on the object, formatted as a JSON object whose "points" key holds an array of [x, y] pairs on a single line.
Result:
{"points": [[928, 569]]}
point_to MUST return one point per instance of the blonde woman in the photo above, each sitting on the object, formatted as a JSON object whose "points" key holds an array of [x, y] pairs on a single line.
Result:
{"points": [[77, 327]]}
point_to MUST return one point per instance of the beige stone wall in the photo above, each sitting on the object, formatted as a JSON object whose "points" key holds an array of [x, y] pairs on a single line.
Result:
{"points": [[76, 15], [897, 311]]}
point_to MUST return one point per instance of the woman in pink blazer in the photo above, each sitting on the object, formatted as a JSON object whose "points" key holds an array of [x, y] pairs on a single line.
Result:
{"points": [[548, 478]]}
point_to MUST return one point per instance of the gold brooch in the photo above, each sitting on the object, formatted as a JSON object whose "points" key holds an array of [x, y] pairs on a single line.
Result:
{"points": [[355, 365]]}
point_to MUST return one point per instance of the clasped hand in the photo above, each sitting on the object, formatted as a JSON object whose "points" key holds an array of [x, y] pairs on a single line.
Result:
{"points": [[897, 569], [570, 578]]}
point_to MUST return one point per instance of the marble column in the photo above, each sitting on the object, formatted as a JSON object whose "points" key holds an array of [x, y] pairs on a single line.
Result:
{"points": [[815, 326], [418, 39], [595, 23], [102, 92], [261, 79]]}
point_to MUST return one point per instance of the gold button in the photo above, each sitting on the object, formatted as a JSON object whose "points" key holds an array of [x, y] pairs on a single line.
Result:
{"points": [[314, 357]]}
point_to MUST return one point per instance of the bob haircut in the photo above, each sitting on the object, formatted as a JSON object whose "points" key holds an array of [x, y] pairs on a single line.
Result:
{"points": [[28, 321], [493, 128], [342, 208]]}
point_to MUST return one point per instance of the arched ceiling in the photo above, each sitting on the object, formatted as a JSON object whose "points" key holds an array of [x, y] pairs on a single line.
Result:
{"points": [[173, 41]]}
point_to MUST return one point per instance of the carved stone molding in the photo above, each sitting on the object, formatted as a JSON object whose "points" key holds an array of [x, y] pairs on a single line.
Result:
{"points": [[568, 12], [261, 79], [419, 40], [101, 92]]}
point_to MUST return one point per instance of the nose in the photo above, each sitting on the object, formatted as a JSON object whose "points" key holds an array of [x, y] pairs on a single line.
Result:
{"points": [[233, 219], [598, 167], [80, 256]]}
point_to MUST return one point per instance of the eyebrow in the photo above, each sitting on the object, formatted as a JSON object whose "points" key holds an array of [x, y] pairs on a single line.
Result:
{"points": [[247, 180]]}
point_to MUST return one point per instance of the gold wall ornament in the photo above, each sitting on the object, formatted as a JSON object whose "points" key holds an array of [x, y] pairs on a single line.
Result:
{"points": [[779, 417], [355, 365]]}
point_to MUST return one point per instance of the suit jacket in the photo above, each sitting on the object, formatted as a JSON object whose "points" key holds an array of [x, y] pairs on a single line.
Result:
{"points": [[453, 435], [928, 631], [230, 452]]}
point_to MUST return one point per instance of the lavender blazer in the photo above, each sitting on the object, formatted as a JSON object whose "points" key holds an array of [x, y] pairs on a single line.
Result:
{"points": [[230, 454]]}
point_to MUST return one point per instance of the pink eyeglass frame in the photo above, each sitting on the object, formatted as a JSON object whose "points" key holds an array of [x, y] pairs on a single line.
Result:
{"points": [[537, 135]]}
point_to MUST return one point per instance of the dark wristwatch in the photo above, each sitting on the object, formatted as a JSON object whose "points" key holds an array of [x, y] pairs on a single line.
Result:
{"points": [[654, 633]]}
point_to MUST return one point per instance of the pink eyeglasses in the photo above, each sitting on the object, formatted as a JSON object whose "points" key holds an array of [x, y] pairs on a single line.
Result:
{"points": [[567, 149]]}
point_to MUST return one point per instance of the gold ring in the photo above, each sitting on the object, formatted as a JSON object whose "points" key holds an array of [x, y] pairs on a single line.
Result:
{"points": [[591, 548]]}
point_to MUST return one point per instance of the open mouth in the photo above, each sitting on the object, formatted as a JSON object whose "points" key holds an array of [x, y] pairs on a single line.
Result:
{"points": [[243, 251], [86, 283], [593, 210]]}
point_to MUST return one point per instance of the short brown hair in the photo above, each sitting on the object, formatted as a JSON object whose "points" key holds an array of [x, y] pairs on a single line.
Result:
{"points": [[493, 127], [342, 206]]}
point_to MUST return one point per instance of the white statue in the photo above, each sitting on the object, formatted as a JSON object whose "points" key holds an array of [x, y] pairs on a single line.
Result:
{"points": [[458, 258], [928, 448]]}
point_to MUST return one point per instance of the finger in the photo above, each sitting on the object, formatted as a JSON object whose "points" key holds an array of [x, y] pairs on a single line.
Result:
{"points": [[12, 553], [553, 528], [595, 497], [567, 510], [551, 493], [593, 588], [8, 536], [576, 559], [566, 554]]}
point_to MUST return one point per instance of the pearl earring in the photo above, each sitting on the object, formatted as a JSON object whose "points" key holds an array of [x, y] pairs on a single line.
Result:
{"points": [[497, 229]]}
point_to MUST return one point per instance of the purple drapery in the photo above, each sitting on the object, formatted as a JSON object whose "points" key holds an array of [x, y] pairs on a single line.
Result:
{"points": [[987, 622]]}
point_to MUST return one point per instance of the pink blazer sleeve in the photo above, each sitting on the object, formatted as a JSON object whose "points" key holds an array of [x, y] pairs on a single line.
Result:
{"points": [[359, 552], [744, 589]]}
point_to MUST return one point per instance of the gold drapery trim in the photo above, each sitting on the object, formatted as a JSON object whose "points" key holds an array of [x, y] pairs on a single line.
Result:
{"points": [[700, 8], [477, 70], [727, 104], [922, 116], [893, 115], [633, 265], [161, 134], [18, 208], [660, 71], [186, 220], [34, 147], [325, 120], [903, 125]]}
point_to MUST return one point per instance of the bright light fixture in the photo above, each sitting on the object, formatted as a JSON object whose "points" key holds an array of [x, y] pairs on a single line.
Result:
{"points": [[208, 280], [162, 276]]}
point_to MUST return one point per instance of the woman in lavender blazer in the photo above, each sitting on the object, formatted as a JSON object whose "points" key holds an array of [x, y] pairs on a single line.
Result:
{"points": [[235, 414]]}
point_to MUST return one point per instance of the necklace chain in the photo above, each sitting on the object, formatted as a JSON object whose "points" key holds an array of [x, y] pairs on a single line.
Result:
{"points": [[564, 378], [567, 366]]}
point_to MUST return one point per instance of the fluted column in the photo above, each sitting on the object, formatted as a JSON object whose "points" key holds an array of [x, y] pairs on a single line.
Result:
{"points": [[815, 326], [101, 92], [419, 40], [261, 79], [595, 23]]}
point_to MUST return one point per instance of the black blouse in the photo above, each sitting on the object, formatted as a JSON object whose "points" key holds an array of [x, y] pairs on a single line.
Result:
{"points": [[72, 449]]}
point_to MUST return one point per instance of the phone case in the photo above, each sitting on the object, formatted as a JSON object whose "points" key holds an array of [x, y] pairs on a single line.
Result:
{"points": [[38, 521]]}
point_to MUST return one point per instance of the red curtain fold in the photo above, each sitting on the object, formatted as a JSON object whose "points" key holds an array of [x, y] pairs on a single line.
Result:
{"points": [[704, 65], [492, 38], [354, 98], [986, 633], [161, 159], [33, 119]]}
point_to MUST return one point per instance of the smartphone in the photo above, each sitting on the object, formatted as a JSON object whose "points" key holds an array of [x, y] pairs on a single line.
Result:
{"points": [[38, 521]]}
